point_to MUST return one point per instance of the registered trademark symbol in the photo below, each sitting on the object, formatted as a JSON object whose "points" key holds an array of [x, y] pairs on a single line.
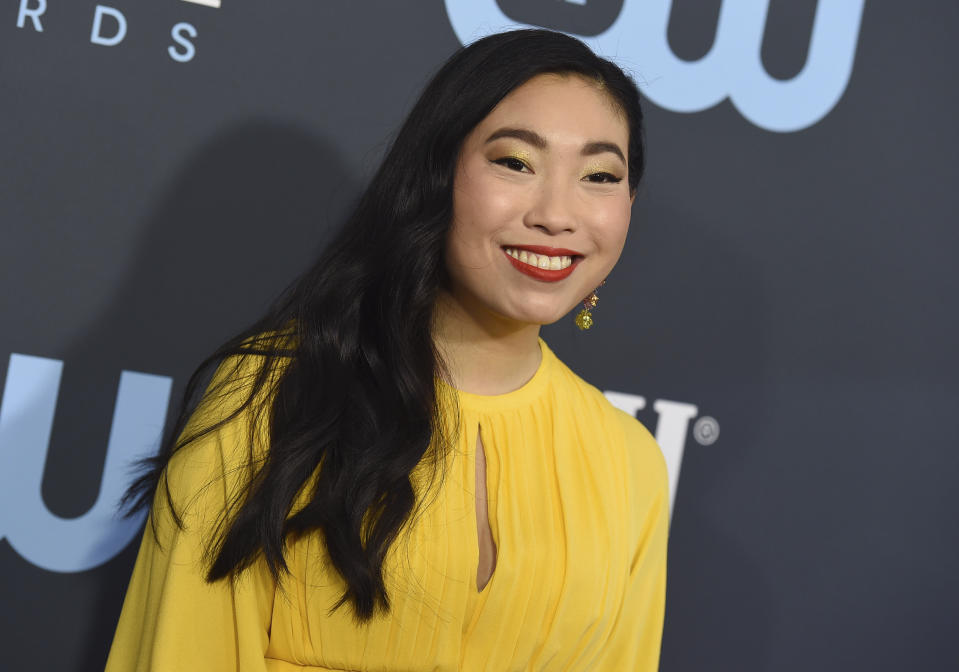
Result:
{"points": [[706, 430]]}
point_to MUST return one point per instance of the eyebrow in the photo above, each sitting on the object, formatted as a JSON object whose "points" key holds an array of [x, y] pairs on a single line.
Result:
{"points": [[539, 142], [591, 148]]}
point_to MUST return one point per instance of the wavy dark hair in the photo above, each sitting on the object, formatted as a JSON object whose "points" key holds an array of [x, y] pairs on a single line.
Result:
{"points": [[346, 366]]}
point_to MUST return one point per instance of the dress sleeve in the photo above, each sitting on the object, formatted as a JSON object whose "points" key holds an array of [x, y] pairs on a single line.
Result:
{"points": [[637, 635], [172, 618]]}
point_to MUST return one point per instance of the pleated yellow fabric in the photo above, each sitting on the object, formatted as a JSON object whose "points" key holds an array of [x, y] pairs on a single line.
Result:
{"points": [[578, 510]]}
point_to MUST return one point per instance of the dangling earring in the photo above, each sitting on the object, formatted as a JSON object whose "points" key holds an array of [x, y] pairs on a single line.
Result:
{"points": [[584, 320]]}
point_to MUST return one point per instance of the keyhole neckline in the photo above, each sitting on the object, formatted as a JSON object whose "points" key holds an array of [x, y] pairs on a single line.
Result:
{"points": [[488, 502]]}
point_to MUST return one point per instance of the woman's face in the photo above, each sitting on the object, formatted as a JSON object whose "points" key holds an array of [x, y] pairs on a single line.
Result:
{"points": [[541, 178]]}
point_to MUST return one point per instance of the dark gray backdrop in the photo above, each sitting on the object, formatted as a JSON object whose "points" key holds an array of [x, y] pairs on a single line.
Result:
{"points": [[796, 287]]}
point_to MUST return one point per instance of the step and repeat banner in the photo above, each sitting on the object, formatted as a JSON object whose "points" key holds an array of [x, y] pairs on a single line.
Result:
{"points": [[783, 317]]}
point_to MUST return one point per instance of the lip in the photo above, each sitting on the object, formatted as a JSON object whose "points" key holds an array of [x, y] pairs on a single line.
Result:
{"points": [[544, 274]]}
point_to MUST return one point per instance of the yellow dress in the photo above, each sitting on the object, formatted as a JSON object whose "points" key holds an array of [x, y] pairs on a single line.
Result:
{"points": [[578, 510]]}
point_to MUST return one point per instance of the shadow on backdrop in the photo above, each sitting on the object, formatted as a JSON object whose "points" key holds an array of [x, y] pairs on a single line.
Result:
{"points": [[241, 218]]}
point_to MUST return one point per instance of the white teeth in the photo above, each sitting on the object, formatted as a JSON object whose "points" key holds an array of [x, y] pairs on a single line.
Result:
{"points": [[540, 260]]}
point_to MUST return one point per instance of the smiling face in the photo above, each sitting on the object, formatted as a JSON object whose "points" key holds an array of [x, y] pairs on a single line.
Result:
{"points": [[541, 203]]}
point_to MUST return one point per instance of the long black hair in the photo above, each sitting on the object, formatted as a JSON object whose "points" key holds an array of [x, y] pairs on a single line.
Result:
{"points": [[346, 364]]}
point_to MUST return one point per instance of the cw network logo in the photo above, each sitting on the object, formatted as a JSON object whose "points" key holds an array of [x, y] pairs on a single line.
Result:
{"points": [[633, 33], [109, 26], [74, 545], [26, 420]]}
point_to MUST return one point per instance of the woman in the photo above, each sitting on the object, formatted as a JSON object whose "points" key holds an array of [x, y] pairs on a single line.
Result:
{"points": [[391, 470]]}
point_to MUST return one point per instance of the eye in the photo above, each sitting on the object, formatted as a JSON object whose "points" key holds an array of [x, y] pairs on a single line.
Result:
{"points": [[512, 163], [602, 178]]}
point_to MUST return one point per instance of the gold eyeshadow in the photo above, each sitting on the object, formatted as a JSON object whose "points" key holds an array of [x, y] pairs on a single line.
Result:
{"points": [[613, 168], [615, 171], [519, 154]]}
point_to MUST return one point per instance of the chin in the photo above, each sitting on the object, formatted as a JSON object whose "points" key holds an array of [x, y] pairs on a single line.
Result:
{"points": [[532, 309], [541, 318]]}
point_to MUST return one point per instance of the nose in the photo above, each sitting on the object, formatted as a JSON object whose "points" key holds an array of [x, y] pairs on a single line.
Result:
{"points": [[551, 209]]}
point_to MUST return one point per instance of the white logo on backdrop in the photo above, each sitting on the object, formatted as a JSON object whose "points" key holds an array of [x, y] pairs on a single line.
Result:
{"points": [[26, 420], [113, 30], [733, 68]]}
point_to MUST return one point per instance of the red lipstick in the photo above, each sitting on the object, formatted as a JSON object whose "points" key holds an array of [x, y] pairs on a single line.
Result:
{"points": [[545, 274]]}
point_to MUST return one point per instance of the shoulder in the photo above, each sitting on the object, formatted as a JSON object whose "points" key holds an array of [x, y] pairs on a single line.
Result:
{"points": [[225, 437], [646, 465], [567, 383], [243, 384]]}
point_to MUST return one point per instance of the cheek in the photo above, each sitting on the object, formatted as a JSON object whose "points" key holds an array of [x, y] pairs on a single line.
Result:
{"points": [[468, 244], [481, 208], [613, 225]]}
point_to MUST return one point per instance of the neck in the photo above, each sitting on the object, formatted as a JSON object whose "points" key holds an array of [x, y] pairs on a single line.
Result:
{"points": [[484, 353]]}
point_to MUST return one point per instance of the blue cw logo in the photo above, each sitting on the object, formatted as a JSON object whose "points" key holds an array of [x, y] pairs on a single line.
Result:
{"points": [[26, 420], [733, 69]]}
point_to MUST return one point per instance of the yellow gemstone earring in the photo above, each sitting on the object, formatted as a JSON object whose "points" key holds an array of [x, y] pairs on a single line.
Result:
{"points": [[584, 319]]}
